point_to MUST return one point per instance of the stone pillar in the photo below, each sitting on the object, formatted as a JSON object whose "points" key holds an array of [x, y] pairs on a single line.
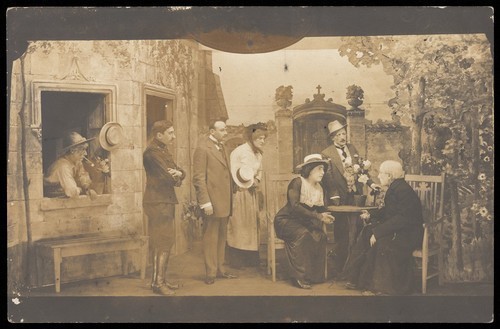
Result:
{"points": [[356, 133], [284, 128]]}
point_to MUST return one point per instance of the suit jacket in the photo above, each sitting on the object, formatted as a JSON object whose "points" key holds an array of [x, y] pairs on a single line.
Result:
{"points": [[212, 177], [334, 179], [160, 184], [401, 217]]}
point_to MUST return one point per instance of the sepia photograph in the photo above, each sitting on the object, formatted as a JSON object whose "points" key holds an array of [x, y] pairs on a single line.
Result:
{"points": [[250, 164]]}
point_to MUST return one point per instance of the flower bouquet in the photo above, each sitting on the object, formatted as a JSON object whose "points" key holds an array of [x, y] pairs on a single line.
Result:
{"points": [[192, 214], [356, 169]]}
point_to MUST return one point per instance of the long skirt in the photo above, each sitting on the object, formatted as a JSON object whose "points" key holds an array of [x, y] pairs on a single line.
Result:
{"points": [[305, 250], [243, 226]]}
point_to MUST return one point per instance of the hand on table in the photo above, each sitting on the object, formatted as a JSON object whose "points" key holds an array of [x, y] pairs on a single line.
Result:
{"points": [[327, 218]]}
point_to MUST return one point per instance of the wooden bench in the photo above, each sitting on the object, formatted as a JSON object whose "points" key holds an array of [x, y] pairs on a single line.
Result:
{"points": [[63, 247]]}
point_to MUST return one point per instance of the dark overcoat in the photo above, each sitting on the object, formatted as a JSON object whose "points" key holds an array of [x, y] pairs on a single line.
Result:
{"points": [[334, 180], [160, 184], [388, 266]]}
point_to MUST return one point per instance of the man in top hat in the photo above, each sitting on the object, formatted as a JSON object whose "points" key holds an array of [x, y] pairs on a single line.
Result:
{"points": [[337, 188], [67, 176], [214, 191], [159, 202]]}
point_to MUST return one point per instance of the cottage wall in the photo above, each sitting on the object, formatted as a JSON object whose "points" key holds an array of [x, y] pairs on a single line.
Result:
{"points": [[124, 69]]}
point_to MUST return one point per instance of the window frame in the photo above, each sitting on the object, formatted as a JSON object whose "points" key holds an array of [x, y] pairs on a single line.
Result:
{"points": [[110, 93]]}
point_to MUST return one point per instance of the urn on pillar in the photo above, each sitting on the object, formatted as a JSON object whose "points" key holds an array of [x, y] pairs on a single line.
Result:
{"points": [[356, 118]]}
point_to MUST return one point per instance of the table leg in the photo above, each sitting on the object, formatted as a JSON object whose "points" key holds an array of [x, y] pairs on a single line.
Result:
{"points": [[353, 231], [57, 268]]}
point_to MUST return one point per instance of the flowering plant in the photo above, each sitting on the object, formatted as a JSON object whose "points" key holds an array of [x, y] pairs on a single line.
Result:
{"points": [[193, 215], [356, 169]]}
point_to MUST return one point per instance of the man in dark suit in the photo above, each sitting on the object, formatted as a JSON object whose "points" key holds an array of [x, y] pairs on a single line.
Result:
{"points": [[381, 260], [213, 185], [338, 191], [159, 201]]}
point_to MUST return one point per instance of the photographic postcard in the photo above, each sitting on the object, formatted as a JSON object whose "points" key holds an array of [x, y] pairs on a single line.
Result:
{"points": [[408, 84]]}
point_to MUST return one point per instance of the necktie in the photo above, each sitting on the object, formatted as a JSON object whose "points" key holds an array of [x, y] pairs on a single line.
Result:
{"points": [[342, 148]]}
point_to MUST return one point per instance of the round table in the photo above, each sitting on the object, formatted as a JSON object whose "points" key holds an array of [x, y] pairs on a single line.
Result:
{"points": [[350, 209], [353, 231]]}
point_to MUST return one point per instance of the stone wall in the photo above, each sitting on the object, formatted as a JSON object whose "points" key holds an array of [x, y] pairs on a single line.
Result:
{"points": [[124, 68]]}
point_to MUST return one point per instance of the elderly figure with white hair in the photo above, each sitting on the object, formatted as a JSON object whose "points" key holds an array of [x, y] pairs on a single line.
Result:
{"points": [[381, 261]]}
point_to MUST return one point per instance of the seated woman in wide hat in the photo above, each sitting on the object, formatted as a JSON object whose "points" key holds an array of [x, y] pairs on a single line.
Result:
{"points": [[300, 223]]}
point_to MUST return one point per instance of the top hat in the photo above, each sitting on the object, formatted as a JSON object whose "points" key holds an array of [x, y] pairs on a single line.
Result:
{"points": [[335, 126], [110, 136], [312, 159], [73, 139], [244, 176]]}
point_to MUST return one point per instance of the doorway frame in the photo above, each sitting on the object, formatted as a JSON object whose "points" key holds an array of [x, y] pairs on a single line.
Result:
{"points": [[169, 94]]}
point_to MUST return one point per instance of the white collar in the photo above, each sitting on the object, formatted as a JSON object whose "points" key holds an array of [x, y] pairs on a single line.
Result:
{"points": [[213, 139]]}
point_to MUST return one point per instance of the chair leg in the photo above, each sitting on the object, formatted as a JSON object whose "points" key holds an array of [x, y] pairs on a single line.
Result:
{"points": [[268, 257], [273, 264], [425, 261]]}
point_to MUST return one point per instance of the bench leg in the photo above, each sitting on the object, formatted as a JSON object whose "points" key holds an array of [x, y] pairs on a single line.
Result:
{"points": [[57, 268], [144, 259], [124, 262]]}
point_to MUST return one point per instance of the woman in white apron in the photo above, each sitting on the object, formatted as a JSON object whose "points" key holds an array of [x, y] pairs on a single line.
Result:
{"points": [[243, 226]]}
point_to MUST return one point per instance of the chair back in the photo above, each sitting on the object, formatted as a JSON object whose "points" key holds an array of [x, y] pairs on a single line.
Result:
{"points": [[430, 190], [276, 192]]}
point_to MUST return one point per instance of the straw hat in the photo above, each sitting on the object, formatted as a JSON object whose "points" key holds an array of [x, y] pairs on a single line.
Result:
{"points": [[335, 126], [111, 136], [312, 159], [244, 176]]}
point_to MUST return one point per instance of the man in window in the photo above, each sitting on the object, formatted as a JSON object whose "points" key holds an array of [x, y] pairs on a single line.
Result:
{"points": [[67, 177]]}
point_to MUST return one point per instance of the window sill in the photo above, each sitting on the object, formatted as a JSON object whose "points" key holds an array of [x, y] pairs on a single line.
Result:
{"points": [[69, 203]]}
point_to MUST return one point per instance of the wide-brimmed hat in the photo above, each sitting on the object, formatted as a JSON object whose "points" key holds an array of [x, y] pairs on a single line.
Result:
{"points": [[73, 139], [111, 135], [244, 176], [335, 126], [312, 159]]}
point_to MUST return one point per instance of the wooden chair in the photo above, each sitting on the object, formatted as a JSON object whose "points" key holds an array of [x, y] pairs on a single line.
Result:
{"points": [[430, 190], [276, 186]]}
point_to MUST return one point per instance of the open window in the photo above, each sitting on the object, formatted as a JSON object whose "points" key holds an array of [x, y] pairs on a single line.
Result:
{"points": [[63, 112]]}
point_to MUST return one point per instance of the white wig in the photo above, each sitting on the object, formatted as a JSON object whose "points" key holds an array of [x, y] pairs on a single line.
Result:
{"points": [[392, 167]]}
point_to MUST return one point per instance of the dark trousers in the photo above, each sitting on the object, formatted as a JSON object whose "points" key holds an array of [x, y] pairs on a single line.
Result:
{"points": [[161, 225], [214, 244]]}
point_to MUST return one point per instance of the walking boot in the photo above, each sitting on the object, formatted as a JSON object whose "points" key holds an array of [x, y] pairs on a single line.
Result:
{"points": [[159, 287], [170, 285], [155, 269]]}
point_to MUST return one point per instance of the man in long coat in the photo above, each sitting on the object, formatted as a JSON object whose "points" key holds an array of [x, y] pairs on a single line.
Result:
{"points": [[381, 260], [213, 185]]}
